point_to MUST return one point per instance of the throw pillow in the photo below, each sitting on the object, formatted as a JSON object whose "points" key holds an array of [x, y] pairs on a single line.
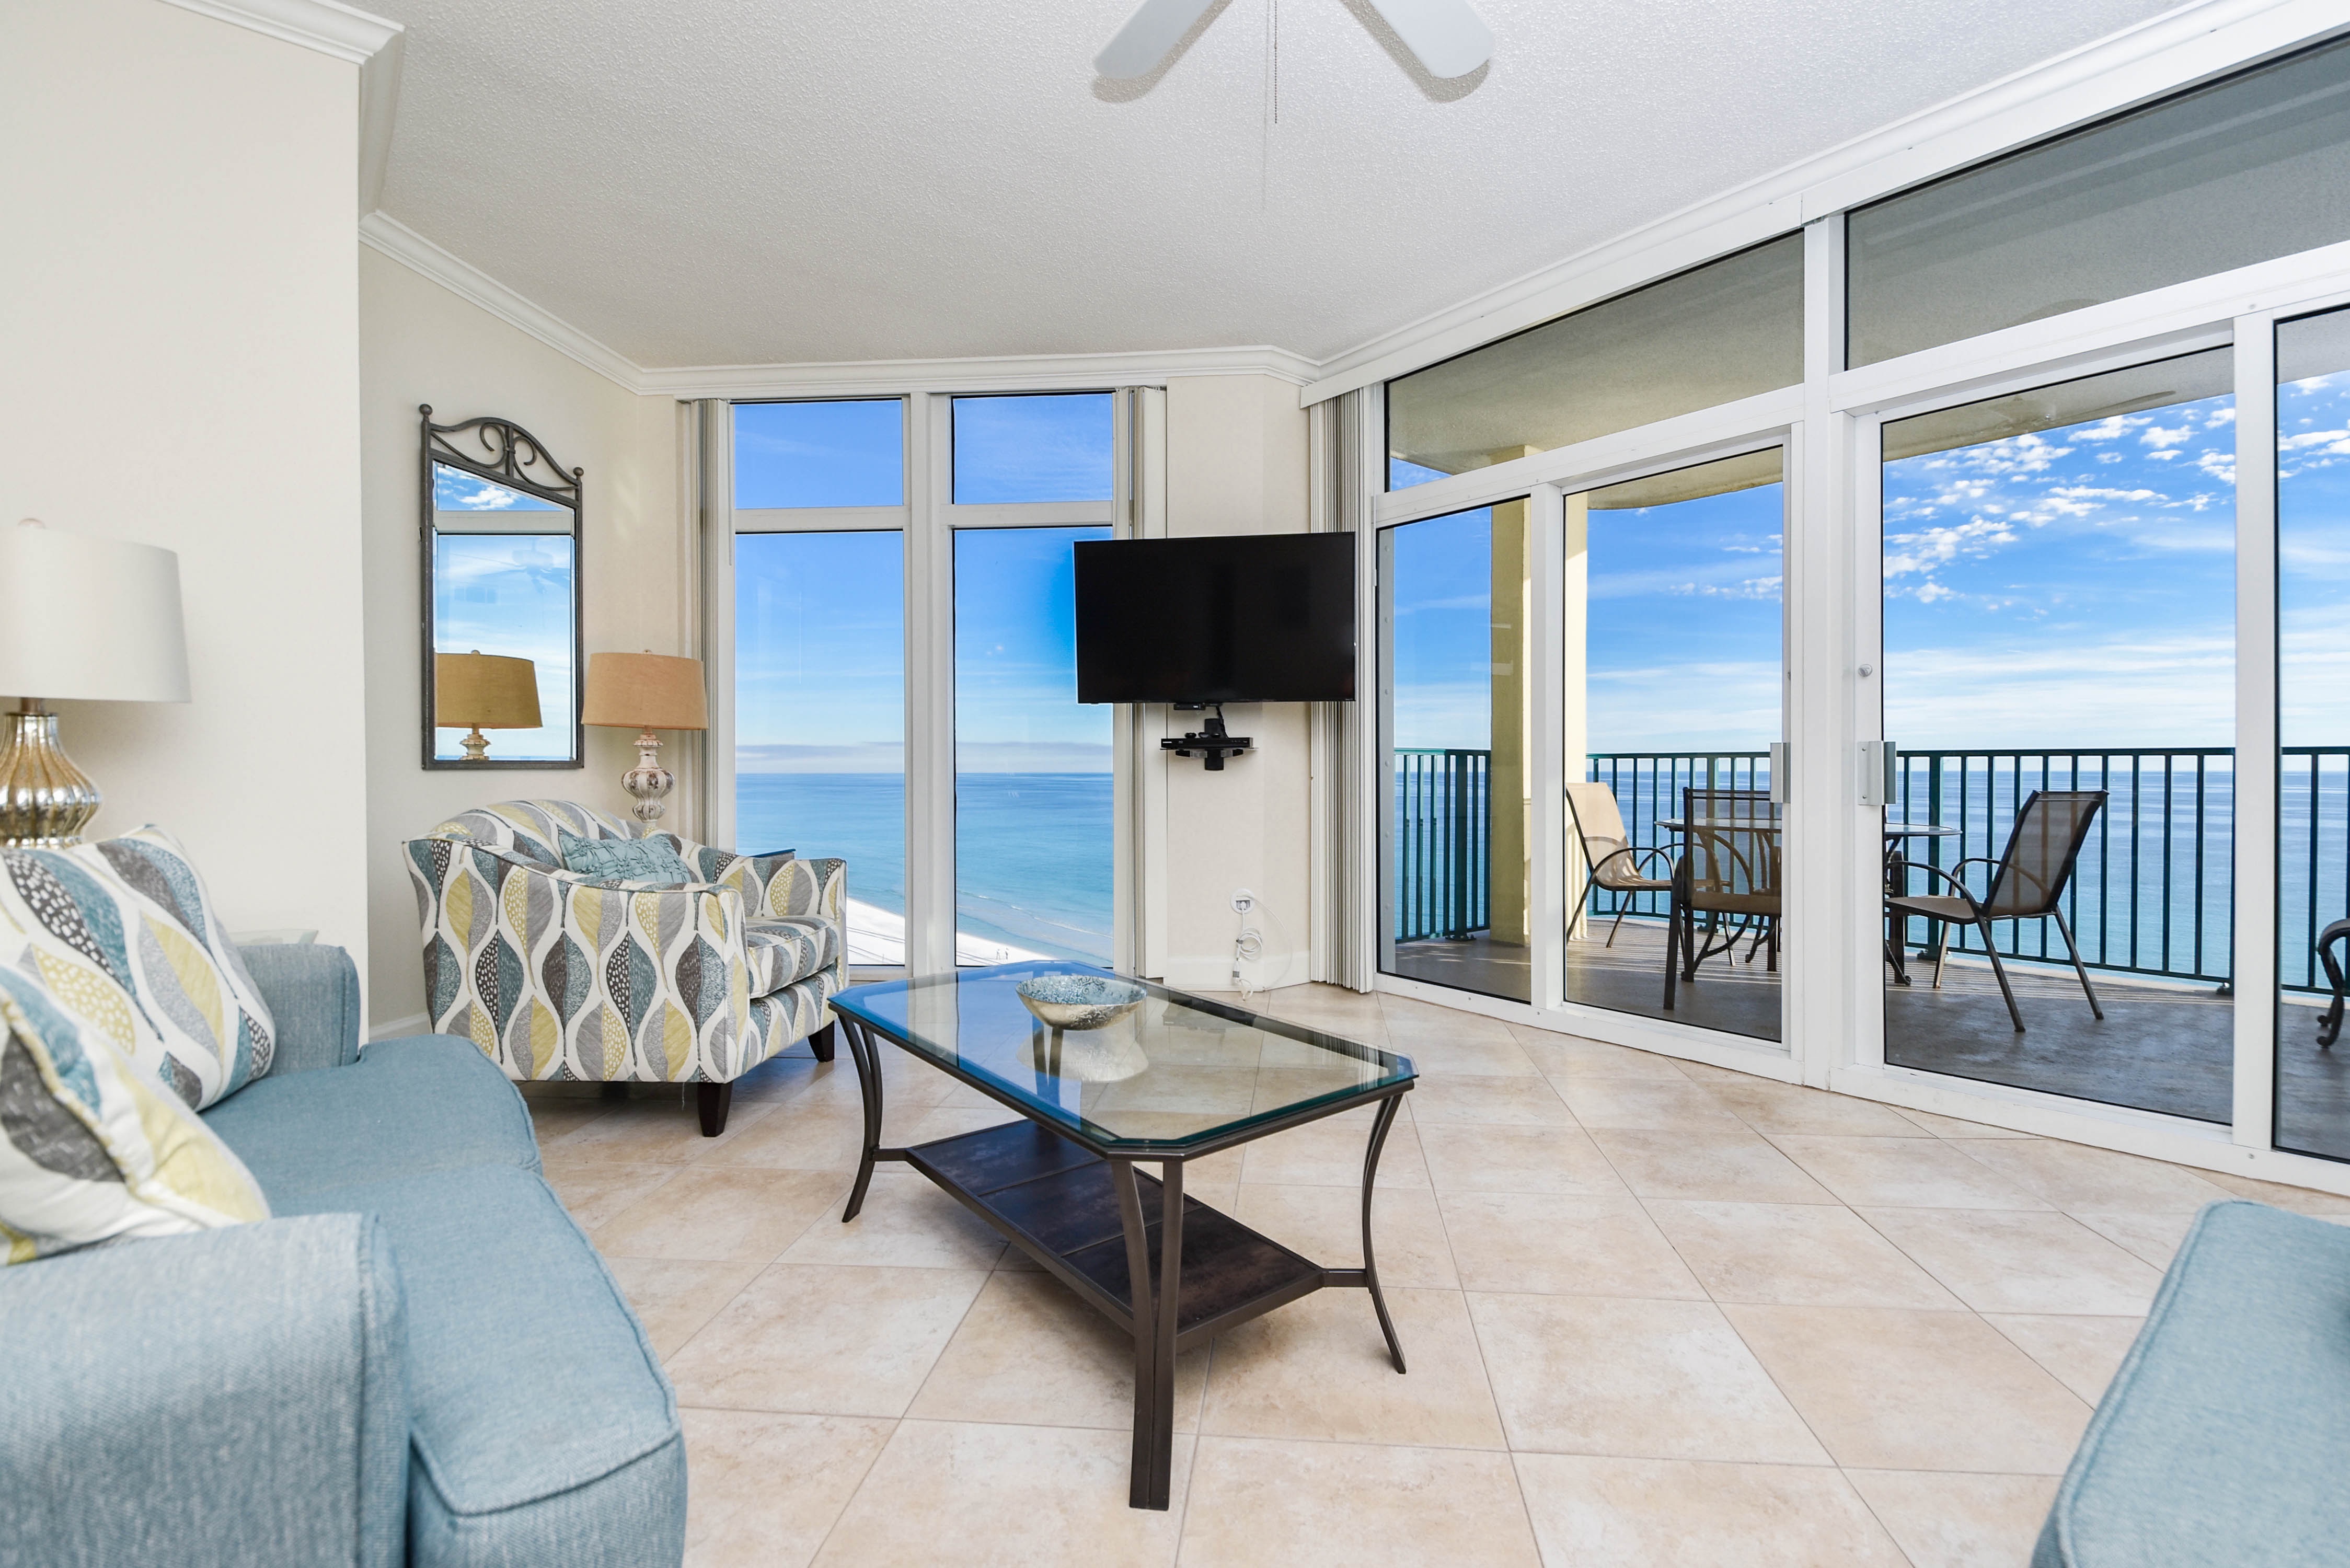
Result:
{"points": [[91, 1148], [126, 939], [624, 859]]}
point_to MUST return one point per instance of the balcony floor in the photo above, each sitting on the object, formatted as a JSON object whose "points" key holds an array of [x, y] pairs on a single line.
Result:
{"points": [[2167, 1048]]}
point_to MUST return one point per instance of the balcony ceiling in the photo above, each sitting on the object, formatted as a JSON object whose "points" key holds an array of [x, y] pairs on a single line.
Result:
{"points": [[745, 181]]}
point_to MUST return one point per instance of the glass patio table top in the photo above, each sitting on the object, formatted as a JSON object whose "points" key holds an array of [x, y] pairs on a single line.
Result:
{"points": [[1179, 1075]]}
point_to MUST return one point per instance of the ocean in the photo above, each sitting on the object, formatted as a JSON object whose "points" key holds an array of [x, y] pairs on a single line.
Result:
{"points": [[1033, 851]]}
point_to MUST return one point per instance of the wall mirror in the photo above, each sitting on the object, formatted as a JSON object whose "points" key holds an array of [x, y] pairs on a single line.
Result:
{"points": [[501, 576]]}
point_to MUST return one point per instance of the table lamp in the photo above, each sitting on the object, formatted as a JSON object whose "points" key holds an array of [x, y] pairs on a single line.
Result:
{"points": [[645, 691], [485, 690], [90, 619]]}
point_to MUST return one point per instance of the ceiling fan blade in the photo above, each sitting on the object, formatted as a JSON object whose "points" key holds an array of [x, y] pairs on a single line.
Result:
{"points": [[1156, 26], [1447, 36]]}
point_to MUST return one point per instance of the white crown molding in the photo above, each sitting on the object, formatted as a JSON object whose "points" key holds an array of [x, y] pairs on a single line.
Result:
{"points": [[1005, 373], [2197, 41], [342, 31], [379, 109], [999, 373], [403, 244]]}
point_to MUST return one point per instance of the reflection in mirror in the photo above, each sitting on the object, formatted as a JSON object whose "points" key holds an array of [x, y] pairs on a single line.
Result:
{"points": [[501, 563]]}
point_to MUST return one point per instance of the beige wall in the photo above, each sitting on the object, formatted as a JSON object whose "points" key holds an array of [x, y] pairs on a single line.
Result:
{"points": [[178, 332], [1236, 463], [422, 344]]}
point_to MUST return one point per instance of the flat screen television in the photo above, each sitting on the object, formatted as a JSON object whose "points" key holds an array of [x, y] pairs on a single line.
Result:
{"points": [[1250, 618]]}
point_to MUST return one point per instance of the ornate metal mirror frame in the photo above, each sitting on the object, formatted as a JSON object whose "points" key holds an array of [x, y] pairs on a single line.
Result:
{"points": [[503, 453]]}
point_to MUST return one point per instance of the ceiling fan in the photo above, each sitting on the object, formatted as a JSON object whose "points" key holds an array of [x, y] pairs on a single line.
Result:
{"points": [[1445, 35]]}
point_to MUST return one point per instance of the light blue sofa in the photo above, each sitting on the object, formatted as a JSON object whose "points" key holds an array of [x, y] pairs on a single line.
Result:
{"points": [[2225, 1436], [419, 1360]]}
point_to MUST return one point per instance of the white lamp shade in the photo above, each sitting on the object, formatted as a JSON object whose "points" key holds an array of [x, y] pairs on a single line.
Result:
{"points": [[89, 619]]}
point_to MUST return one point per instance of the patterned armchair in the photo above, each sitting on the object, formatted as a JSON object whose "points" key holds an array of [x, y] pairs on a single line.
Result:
{"points": [[558, 974]]}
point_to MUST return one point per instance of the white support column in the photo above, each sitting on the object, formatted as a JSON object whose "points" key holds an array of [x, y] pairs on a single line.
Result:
{"points": [[929, 689], [1829, 851], [714, 489], [2255, 965], [1372, 786], [1546, 675], [1149, 719]]}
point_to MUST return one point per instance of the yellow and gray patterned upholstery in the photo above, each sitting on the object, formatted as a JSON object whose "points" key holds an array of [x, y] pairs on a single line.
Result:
{"points": [[555, 974], [92, 1148]]}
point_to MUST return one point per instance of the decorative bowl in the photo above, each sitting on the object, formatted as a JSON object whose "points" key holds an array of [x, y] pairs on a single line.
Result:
{"points": [[1080, 1000]]}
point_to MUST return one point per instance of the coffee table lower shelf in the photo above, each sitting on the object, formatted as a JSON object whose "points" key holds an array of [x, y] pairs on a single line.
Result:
{"points": [[1056, 1202], [1060, 1204]]}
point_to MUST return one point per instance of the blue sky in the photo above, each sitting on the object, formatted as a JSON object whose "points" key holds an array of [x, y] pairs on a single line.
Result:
{"points": [[819, 618], [2314, 558], [2074, 586]]}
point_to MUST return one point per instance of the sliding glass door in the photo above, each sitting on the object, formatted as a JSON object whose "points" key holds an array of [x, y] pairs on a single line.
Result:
{"points": [[2060, 630], [2312, 500], [1675, 867]]}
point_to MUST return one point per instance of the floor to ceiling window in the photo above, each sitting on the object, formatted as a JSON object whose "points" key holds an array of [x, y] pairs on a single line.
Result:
{"points": [[2059, 680], [1676, 879], [1035, 863], [2313, 498], [819, 650]]}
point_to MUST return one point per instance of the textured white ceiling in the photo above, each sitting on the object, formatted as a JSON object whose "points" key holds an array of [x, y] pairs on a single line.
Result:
{"points": [[746, 181]]}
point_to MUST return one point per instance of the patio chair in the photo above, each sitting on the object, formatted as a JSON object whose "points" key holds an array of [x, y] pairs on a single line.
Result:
{"points": [[1614, 865], [2329, 1027], [2028, 882], [1729, 869]]}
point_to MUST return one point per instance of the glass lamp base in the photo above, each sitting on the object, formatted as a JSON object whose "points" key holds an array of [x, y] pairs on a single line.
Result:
{"points": [[45, 800]]}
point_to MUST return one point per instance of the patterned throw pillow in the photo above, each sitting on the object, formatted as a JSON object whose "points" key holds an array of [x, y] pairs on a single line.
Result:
{"points": [[92, 1149], [125, 938], [625, 860]]}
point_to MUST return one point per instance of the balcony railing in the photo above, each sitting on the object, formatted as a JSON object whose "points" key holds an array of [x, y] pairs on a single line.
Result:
{"points": [[1444, 844], [2153, 893]]}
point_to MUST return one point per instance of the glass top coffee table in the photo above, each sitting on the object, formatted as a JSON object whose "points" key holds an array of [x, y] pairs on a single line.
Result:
{"points": [[1171, 1079]]}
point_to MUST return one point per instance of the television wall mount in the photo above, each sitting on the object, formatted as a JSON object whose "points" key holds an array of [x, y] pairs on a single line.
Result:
{"points": [[1211, 742]]}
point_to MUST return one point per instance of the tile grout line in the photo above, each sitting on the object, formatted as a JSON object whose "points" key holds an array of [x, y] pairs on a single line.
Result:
{"points": [[848, 1501]]}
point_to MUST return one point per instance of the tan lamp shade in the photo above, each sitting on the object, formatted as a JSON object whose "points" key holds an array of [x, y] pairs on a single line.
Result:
{"points": [[485, 690], [644, 691]]}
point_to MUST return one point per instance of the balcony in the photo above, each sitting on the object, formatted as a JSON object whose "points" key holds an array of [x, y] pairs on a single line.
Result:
{"points": [[2151, 903]]}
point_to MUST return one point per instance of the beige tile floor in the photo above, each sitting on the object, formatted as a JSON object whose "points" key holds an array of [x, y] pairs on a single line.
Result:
{"points": [[1656, 1312]]}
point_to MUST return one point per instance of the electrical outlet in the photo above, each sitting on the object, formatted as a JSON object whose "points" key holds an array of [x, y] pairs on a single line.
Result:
{"points": [[1243, 900]]}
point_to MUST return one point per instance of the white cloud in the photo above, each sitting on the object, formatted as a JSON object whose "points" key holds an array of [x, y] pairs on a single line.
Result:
{"points": [[2162, 436], [1922, 552]]}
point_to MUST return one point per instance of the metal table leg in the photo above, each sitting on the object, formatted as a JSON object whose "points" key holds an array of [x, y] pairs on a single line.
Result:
{"points": [[868, 1055], [1387, 1108], [1155, 1317]]}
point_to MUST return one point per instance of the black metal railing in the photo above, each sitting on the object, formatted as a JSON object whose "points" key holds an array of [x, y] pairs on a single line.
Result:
{"points": [[1443, 843], [2312, 857], [2153, 893]]}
